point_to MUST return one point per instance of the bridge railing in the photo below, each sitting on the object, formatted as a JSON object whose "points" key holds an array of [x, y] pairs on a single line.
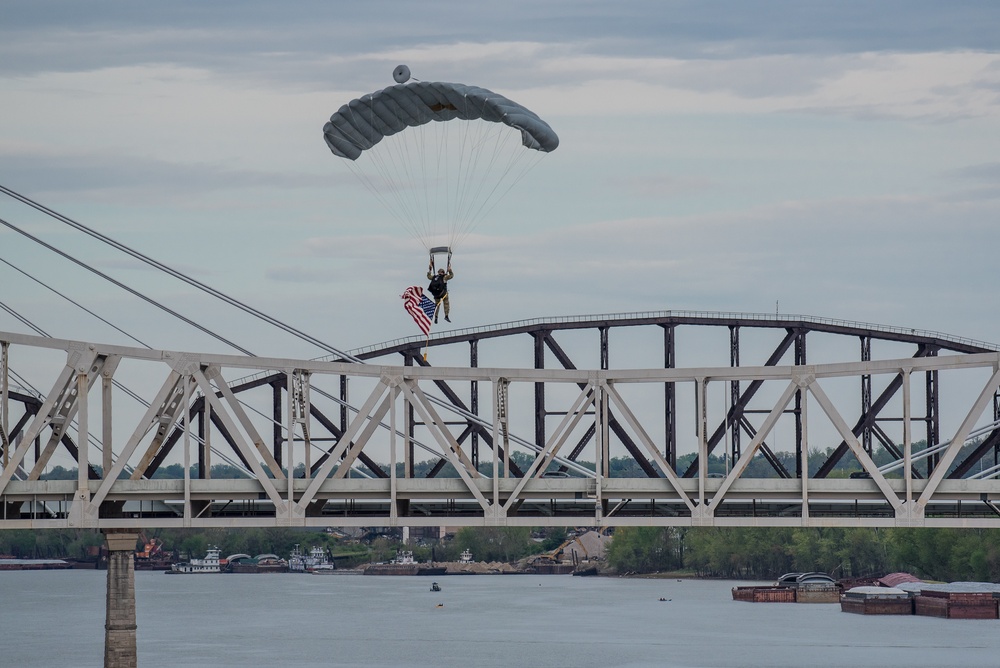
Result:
{"points": [[651, 316]]}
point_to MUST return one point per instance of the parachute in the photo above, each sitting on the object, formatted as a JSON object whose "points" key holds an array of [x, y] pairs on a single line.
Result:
{"points": [[437, 176]]}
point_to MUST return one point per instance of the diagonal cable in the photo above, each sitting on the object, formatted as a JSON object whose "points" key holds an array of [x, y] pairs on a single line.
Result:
{"points": [[176, 274]]}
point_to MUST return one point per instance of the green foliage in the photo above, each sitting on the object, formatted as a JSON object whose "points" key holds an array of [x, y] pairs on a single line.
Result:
{"points": [[644, 549], [59, 473], [496, 543], [620, 467], [49, 543], [761, 553], [948, 554], [752, 552], [766, 552], [554, 537]]}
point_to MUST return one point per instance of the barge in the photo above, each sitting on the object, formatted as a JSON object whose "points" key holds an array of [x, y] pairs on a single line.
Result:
{"points": [[404, 564], [870, 600]]}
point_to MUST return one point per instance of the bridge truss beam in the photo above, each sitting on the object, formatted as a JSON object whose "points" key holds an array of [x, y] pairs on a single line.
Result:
{"points": [[306, 472]]}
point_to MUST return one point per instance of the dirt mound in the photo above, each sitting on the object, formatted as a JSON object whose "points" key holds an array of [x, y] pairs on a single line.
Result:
{"points": [[480, 568]]}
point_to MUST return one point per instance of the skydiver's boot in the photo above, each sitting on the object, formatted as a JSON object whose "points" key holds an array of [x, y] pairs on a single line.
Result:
{"points": [[447, 319]]}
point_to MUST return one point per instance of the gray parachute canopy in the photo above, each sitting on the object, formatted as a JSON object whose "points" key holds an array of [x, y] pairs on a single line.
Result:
{"points": [[364, 122]]}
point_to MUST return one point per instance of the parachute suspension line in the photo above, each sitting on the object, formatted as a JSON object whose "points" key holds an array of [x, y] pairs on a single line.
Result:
{"points": [[426, 150], [380, 180], [444, 185], [477, 175], [402, 162], [392, 174], [472, 191], [468, 178], [503, 153], [464, 173], [502, 186], [482, 151]]}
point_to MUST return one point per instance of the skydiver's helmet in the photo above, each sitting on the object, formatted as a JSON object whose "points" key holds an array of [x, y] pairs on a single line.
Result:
{"points": [[440, 272]]}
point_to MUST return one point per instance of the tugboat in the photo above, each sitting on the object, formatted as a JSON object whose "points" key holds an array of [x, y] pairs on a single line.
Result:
{"points": [[210, 564], [318, 562], [435, 586]]}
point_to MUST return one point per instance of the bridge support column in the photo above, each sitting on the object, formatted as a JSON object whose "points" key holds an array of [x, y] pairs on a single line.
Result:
{"points": [[119, 626]]}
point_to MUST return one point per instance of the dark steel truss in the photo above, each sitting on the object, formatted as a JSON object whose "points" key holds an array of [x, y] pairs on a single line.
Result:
{"points": [[794, 335]]}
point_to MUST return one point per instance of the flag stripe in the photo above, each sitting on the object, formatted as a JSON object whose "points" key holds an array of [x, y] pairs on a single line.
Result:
{"points": [[419, 307]]}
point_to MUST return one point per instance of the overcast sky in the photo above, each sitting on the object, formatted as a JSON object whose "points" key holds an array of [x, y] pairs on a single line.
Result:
{"points": [[834, 159]]}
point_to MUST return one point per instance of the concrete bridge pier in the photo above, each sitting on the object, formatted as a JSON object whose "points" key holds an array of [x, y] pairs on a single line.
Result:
{"points": [[119, 625]]}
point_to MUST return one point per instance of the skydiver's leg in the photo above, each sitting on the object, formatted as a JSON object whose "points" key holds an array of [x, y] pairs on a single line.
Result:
{"points": [[437, 309], [447, 307]]}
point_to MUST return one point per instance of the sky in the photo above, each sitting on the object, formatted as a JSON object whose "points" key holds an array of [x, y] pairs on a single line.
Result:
{"points": [[837, 160]]}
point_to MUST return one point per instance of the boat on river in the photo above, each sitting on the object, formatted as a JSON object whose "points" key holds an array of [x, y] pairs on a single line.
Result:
{"points": [[404, 564], [15, 564], [317, 562], [262, 563], [210, 564]]}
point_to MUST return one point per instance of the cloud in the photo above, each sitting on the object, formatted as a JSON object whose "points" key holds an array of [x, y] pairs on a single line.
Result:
{"points": [[874, 260], [663, 186], [233, 34], [871, 85], [112, 176], [987, 171], [720, 156]]}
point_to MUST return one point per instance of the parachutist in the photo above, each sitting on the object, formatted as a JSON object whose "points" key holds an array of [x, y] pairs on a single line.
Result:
{"points": [[439, 289]]}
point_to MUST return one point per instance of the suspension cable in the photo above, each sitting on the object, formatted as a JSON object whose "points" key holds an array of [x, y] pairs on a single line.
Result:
{"points": [[176, 274], [121, 285]]}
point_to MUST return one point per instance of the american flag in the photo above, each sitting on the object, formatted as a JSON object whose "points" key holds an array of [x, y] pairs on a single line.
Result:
{"points": [[419, 306]]}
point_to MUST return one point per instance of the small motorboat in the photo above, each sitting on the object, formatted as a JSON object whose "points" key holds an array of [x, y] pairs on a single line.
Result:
{"points": [[435, 586]]}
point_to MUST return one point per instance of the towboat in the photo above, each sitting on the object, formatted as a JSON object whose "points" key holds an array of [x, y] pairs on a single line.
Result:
{"points": [[210, 564]]}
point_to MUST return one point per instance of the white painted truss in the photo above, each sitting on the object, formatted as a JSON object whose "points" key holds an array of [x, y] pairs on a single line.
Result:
{"points": [[126, 413]]}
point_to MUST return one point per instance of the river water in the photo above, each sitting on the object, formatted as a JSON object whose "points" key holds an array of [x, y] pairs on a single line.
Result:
{"points": [[56, 618]]}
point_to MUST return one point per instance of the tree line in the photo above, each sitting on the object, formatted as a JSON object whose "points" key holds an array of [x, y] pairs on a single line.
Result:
{"points": [[765, 553], [619, 467], [506, 544], [755, 553]]}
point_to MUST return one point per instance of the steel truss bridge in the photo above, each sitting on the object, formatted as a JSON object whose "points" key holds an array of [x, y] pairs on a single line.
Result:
{"points": [[384, 438]]}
